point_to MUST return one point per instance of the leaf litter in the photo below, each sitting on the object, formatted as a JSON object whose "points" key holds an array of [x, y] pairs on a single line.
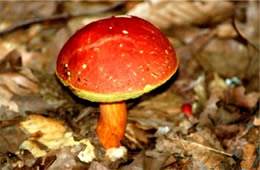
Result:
{"points": [[44, 126]]}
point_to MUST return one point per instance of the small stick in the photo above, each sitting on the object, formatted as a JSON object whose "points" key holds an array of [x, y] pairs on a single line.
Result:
{"points": [[63, 16], [241, 36]]}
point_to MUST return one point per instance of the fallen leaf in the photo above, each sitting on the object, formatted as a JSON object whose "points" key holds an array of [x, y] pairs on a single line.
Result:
{"points": [[18, 83], [24, 10], [97, 166], [6, 99], [165, 102], [256, 121], [257, 158], [137, 164], [11, 62], [251, 27], [226, 31], [248, 156], [166, 13], [238, 97], [34, 103], [5, 49], [52, 134], [216, 90], [137, 133], [228, 61], [155, 160], [202, 148], [226, 131], [65, 159], [10, 138], [200, 89], [152, 122]]}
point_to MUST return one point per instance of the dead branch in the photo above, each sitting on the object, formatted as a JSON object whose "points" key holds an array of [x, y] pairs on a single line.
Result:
{"points": [[242, 37], [64, 16]]}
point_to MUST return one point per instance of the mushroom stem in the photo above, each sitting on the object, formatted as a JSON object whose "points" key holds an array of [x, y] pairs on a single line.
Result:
{"points": [[112, 123]]}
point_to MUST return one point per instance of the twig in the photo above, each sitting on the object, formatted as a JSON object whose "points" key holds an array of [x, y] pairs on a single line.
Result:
{"points": [[241, 37], [63, 16], [244, 40], [190, 143]]}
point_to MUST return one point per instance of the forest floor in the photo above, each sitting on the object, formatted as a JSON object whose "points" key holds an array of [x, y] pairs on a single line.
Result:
{"points": [[205, 117]]}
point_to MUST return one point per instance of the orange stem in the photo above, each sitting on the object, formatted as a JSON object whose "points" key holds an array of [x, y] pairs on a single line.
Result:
{"points": [[112, 123]]}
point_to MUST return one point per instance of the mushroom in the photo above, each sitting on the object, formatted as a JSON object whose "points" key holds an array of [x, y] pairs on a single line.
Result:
{"points": [[112, 60]]}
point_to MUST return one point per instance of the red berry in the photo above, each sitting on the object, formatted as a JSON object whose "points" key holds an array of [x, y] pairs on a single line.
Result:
{"points": [[186, 109]]}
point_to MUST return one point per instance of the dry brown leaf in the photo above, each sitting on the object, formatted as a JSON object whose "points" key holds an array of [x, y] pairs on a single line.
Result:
{"points": [[151, 122], [14, 48], [159, 111], [256, 121], [5, 99], [166, 102], [202, 148], [217, 86], [18, 83], [226, 131], [227, 57], [29, 74], [248, 156], [34, 103], [137, 133], [199, 87], [97, 166], [11, 62], [14, 78], [155, 160], [5, 48], [206, 138], [24, 10], [238, 96], [207, 155], [8, 116], [10, 138], [137, 164], [166, 13], [65, 159], [27, 56], [216, 89], [52, 134], [226, 30], [251, 27], [188, 53]]}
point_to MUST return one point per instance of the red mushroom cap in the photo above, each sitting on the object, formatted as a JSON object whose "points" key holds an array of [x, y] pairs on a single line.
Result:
{"points": [[116, 59]]}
